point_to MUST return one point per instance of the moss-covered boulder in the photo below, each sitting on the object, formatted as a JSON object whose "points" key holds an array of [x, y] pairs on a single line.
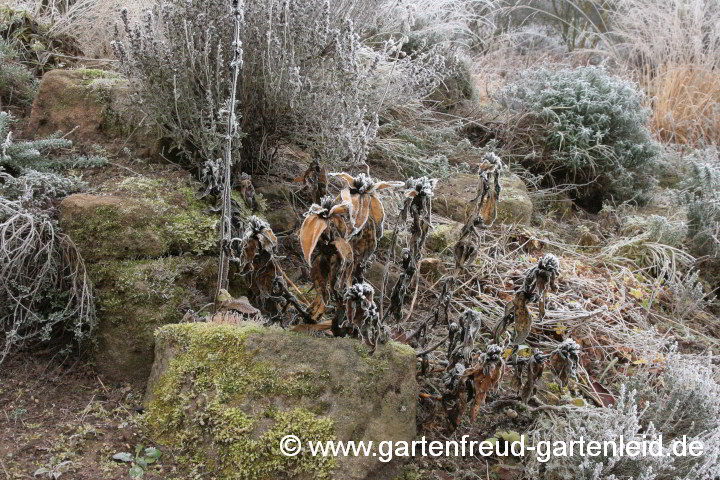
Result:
{"points": [[140, 217], [144, 240], [442, 237], [90, 106], [133, 298], [453, 196], [223, 396]]}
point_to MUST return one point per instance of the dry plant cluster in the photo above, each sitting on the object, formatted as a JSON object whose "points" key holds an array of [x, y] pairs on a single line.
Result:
{"points": [[339, 239]]}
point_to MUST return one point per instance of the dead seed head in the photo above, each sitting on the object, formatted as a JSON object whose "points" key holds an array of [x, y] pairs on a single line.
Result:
{"points": [[359, 291], [361, 184], [421, 186], [256, 226], [549, 263], [322, 210], [570, 349], [493, 352], [491, 158]]}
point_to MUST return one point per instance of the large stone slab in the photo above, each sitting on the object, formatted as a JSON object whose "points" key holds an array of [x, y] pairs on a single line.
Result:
{"points": [[223, 396], [90, 106], [140, 217]]}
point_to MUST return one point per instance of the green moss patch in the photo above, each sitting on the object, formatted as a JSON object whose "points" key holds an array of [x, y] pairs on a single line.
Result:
{"points": [[142, 218], [223, 418], [222, 396], [136, 297], [442, 238]]}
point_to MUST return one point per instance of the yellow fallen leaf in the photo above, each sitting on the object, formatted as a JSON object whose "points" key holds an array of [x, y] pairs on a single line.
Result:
{"points": [[524, 351], [637, 293]]}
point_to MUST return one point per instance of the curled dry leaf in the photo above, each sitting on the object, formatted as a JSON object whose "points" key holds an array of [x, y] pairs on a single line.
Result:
{"points": [[488, 189], [361, 195], [522, 317], [313, 226], [258, 238], [317, 220]]}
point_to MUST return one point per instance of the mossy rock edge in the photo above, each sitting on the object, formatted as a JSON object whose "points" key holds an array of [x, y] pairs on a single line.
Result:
{"points": [[222, 396], [134, 297], [89, 105], [142, 217]]}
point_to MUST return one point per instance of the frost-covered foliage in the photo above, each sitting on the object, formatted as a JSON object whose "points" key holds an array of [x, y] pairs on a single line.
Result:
{"points": [[702, 196], [683, 399], [655, 228], [19, 164], [307, 75], [582, 126], [688, 294], [17, 85], [422, 145], [45, 292], [32, 176]]}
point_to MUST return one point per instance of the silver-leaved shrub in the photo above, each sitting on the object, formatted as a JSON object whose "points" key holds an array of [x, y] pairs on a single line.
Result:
{"points": [[314, 73], [678, 397], [581, 126]]}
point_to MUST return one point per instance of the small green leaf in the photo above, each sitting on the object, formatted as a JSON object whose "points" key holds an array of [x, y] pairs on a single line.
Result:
{"points": [[136, 472], [138, 449], [140, 461], [152, 452]]}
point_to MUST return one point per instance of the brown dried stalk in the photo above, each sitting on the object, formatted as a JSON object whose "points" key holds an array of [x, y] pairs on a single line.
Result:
{"points": [[534, 288], [362, 316], [466, 248], [316, 181], [462, 338], [527, 372], [255, 253], [455, 395], [488, 191], [418, 204]]}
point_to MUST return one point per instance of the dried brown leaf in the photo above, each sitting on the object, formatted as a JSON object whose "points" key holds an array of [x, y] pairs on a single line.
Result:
{"points": [[313, 226], [377, 211]]}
